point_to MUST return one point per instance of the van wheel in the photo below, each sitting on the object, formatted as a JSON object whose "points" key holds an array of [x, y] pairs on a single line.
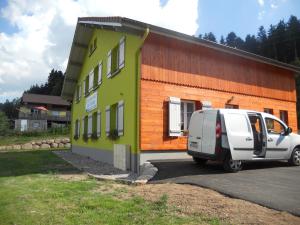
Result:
{"points": [[231, 165], [199, 161], [295, 157]]}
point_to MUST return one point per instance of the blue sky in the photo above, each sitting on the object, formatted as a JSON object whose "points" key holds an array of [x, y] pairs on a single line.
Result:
{"points": [[36, 36]]}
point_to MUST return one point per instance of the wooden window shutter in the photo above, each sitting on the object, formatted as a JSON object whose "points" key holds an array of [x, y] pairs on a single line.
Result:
{"points": [[107, 120], [120, 118], [174, 117], [79, 92], [90, 125], [83, 87], [121, 54], [91, 80], [100, 73], [108, 70], [98, 124]]}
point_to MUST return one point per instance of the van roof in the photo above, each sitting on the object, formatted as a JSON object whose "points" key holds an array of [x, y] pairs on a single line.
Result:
{"points": [[223, 110]]}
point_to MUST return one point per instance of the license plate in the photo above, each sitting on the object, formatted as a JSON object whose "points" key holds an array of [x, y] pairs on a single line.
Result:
{"points": [[194, 144]]}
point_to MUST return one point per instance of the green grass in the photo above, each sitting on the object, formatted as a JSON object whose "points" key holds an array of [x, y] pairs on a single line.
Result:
{"points": [[32, 192], [19, 139]]}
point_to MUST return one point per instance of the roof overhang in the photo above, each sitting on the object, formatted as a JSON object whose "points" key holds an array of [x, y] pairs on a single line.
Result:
{"points": [[86, 25]]}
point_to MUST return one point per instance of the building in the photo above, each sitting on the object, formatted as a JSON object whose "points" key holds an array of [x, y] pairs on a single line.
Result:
{"points": [[134, 87], [40, 112]]}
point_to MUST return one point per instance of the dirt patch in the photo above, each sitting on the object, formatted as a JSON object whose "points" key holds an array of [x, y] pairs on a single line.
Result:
{"points": [[191, 199], [73, 177]]}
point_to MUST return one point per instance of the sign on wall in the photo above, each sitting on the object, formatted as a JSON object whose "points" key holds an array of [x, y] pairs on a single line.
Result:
{"points": [[91, 102]]}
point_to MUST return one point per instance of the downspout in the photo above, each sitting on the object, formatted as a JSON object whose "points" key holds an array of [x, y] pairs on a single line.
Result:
{"points": [[137, 94]]}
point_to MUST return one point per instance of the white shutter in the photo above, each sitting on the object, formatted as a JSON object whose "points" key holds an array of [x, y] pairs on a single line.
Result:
{"points": [[174, 117], [91, 80], [79, 92], [107, 120], [100, 73], [98, 124], [121, 54], [83, 87], [120, 118], [83, 126], [90, 125], [108, 71]]}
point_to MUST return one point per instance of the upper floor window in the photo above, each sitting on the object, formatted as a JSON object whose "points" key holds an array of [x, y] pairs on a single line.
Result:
{"points": [[231, 106], [270, 111], [116, 58], [284, 116], [93, 47]]}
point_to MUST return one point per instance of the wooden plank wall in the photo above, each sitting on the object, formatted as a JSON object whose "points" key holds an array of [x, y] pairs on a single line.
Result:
{"points": [[172, 68]]}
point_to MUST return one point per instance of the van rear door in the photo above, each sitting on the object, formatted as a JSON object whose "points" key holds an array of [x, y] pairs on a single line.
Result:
{"points": [[239, 135], [195, 131]]}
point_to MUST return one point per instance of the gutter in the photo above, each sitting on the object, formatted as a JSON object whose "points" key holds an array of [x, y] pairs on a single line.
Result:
{"points": [[137, 92]]}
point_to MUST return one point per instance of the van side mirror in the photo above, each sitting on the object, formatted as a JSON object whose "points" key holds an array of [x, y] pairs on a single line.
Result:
{"points": [[288, 131]]}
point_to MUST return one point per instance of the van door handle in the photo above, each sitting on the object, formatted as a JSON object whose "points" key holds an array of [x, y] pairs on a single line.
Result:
{"points": [[249, 139], [270, 139], [198, 137]]}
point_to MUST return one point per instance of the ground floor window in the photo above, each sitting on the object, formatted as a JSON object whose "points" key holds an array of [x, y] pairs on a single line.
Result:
{"points": [[267, 110], [114, 121], [231, 106], [186, 109], [284, 116]]}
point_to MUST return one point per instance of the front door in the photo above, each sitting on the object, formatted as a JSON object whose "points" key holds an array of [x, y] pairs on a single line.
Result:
{"points": [[240, 137], [277, 142]]}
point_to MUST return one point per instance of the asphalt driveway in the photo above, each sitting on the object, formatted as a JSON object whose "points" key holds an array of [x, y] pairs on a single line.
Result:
{"points": [[272, 184]]}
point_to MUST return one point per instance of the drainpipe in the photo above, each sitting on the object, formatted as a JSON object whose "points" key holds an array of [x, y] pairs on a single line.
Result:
{"points": [[137, 105]]}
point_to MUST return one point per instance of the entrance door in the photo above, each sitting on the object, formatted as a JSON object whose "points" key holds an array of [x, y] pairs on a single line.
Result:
{"points": [[240, 136], [23, 125], [277, 142]]}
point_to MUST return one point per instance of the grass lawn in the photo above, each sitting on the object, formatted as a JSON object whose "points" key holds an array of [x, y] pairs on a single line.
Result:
{"points": [[34, 190], [25, 139]]}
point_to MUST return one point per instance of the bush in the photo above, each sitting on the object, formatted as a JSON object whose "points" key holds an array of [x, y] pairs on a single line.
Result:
{"points": [[4, 125], [113, 134]]}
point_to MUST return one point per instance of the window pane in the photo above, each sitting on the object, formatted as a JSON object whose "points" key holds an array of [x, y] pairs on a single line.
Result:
{"points": [[274, 126], [189, 115], [190, 107]]}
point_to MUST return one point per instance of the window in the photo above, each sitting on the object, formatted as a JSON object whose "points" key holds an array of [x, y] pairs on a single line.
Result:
{"points": [[85, 126], [98, 124], [284, 116], [270, 111], [76, 129], [93, 46], [274, 126], [116, 58], [231, 106], [186, 108], [91, 80], [83, 87], [78, 93], [120, 118], [114, 118]]}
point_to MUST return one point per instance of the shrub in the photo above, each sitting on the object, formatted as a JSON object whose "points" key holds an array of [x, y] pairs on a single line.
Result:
{"points": [[4, 125], [113, 134]]}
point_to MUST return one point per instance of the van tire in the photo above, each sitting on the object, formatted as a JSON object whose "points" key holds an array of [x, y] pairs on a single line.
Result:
{"points": [[232, 166], [295, 157], [199, 161]]}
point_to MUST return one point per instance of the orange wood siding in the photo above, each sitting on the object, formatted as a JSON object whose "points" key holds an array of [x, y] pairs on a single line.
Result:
{"points": [[154, 130], [190, 72], [176, 62]]}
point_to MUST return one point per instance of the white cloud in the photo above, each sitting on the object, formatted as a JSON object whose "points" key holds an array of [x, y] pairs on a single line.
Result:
{"points": [[261, 15], [261, 2], [273, 6], [46, 28]]}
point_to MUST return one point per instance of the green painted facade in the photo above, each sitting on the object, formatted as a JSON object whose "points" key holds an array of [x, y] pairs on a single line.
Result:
{"points": [[121, 86]]}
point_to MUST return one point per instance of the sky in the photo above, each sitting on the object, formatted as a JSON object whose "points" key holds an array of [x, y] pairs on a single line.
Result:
{"points": [[36, 35]]}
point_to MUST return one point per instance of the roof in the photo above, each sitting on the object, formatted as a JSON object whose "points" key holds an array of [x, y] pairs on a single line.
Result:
{"points": [[44, 99], [84, 31]]}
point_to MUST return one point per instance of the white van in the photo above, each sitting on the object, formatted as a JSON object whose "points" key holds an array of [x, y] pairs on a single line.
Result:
{"points": [[233, 136]]}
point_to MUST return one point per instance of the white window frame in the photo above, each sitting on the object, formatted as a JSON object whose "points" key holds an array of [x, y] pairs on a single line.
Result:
{"points": [[185, 102], [120, 118], [100, 72], [83, 87]]}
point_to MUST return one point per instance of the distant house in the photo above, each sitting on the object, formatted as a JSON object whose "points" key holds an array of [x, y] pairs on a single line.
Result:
{"points": [[135, 86], [40, 112]]}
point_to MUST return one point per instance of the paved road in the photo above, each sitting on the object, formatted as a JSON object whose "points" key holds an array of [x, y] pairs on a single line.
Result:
{"points": [[271, 184]]}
